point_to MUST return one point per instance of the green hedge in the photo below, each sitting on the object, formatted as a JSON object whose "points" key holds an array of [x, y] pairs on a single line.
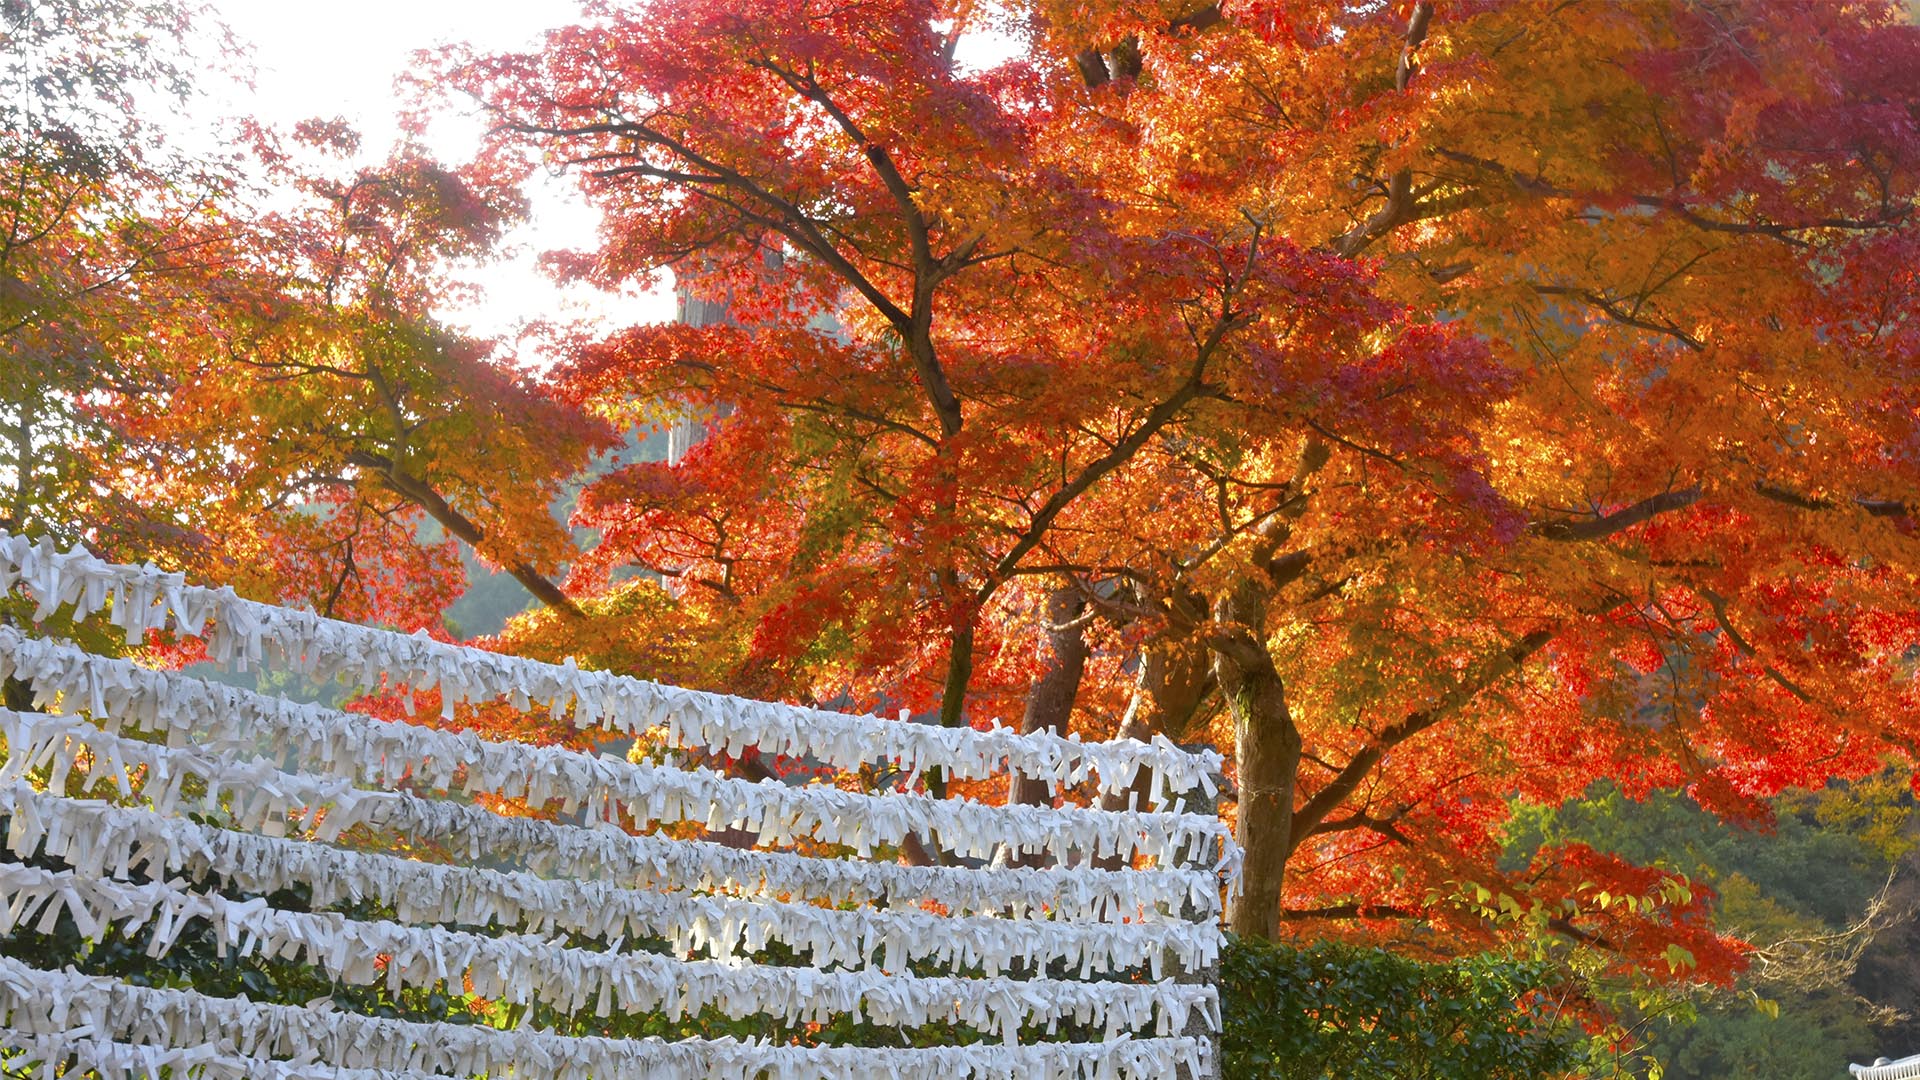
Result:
{"points": [[1337, 1012]]}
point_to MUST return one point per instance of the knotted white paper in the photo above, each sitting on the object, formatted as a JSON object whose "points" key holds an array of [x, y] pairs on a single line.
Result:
{"points": [[100, 840], [287, 782], [36, 1002], [350, 745], [133, 1061], [257, 796], [243, 631], [527, 968]]}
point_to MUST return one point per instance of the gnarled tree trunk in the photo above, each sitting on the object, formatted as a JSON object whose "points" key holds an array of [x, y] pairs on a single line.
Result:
{"points": [[1267, 754], [1267, 745]]}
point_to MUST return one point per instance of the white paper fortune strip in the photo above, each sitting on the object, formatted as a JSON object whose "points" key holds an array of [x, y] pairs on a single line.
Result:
{"points": [[98, 839], [145, 598], [341, 744], [523, 969], [131, 1061]]}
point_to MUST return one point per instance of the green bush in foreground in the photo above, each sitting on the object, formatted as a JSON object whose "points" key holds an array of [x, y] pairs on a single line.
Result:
{"points": [[1341, 1012]]}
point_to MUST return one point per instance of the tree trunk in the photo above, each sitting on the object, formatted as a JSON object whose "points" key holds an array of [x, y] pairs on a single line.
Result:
{"points": [[1050, 698], [953, 694], [17, 521], [1267, 752]]}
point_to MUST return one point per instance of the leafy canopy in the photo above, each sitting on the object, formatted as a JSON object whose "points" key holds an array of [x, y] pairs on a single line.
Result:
{"points": [[1442, 404]]}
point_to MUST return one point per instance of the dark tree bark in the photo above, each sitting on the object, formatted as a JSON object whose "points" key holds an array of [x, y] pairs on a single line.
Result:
{"points": [[1267, 745], [422, 494], [1050, 698], [1267, 756]]}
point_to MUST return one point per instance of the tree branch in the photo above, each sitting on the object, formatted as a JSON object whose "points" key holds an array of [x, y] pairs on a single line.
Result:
{"points": [[422, 494], [1887, 508], [1399, 207], [1348, 911], [1490, 670], [1117, 455], [1719, 605], [1614, 311], [1605, 525], [1384, 826]]}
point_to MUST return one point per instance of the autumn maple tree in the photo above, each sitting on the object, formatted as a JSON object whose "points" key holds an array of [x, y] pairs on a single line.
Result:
{"points": [[1440, 403], [334, 412], [97, 228], [229, 360]]}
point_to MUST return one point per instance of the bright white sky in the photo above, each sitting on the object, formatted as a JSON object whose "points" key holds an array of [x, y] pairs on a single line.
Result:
{"points": [[340, 59]]}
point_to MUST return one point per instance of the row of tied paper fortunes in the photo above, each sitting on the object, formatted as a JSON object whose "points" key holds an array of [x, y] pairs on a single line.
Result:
{"points": [[431, 957], [73, 1011], [255, 795], [99, 839], [54, 744], [1084, 1008], [351, 745], [348, 948], [240, 632], [525, 968]]}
